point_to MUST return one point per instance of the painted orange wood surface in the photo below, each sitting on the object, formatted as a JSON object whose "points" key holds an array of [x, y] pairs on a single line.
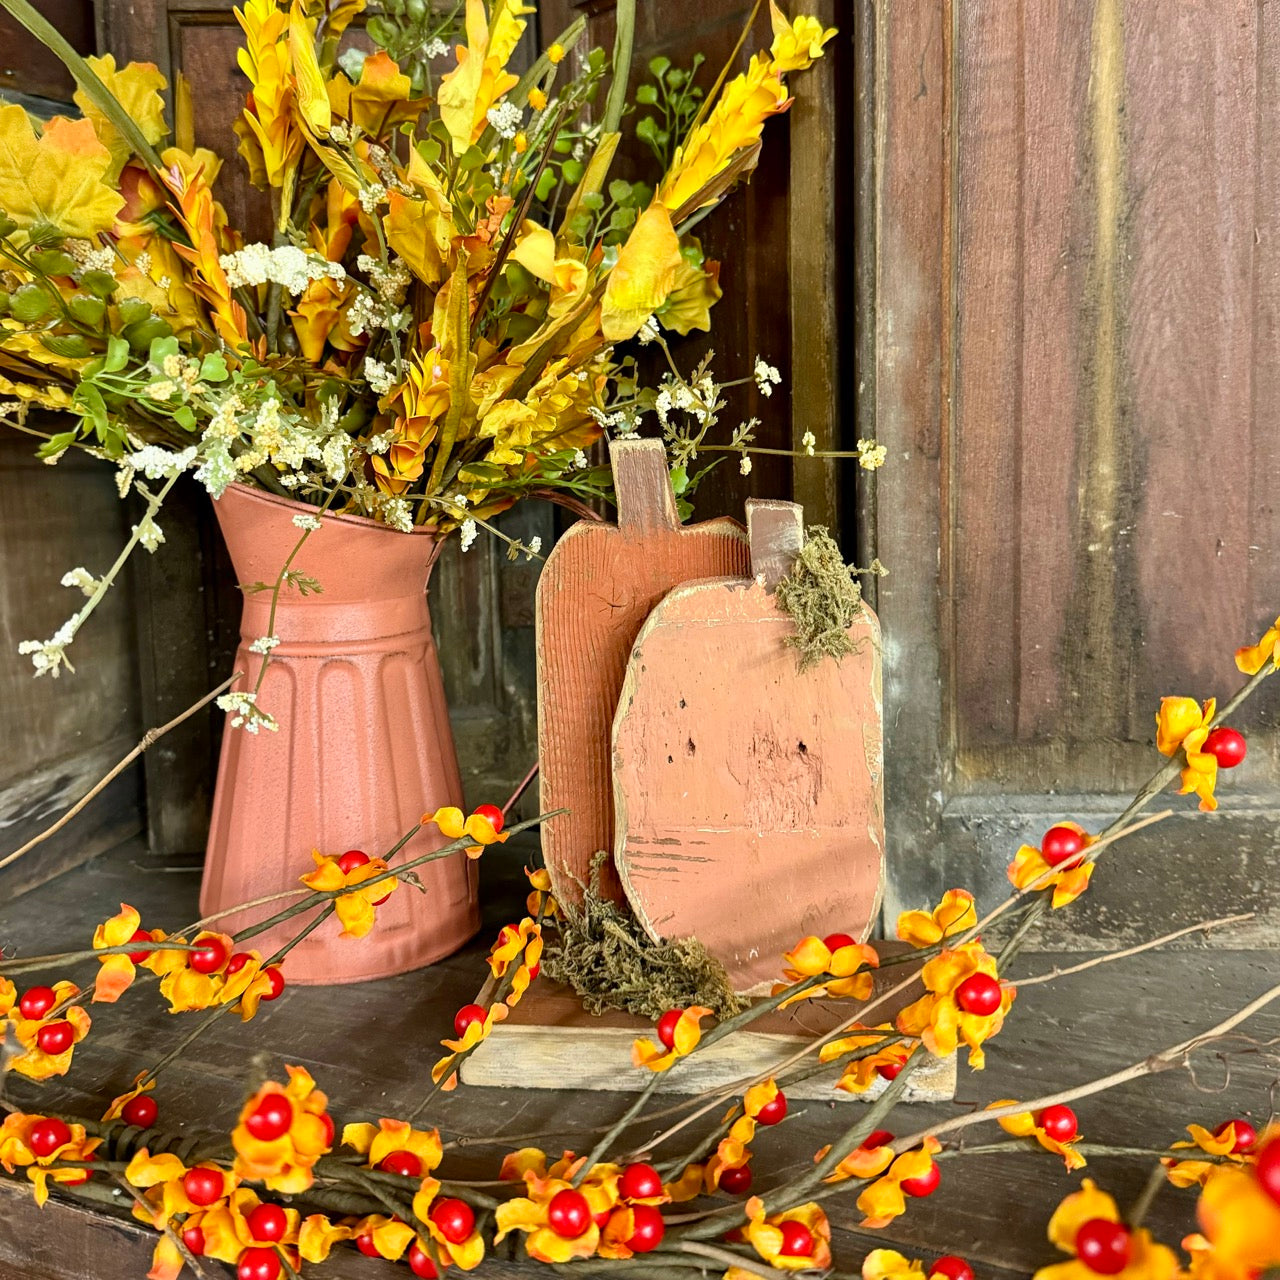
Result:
{"points": [[598, 586], [748, 795]]}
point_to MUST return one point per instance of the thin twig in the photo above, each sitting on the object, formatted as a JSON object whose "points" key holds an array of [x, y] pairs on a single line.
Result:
{"points": [[1203, 927], [151, 736]]}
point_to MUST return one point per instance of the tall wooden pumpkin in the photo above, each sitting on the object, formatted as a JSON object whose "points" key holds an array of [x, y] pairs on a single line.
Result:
{"points": [[598, 586], [748, 795]]}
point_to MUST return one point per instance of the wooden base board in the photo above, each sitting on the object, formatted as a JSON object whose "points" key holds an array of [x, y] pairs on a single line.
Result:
{"points": [[551, 1042]]}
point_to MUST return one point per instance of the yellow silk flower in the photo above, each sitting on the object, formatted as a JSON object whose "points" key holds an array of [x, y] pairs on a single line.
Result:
{"points": [[687, 1035], [376, 1142], [859, 1075], [847, 965], [954, 914], [1241, 1225], [453, 824], [186, 989], [733, 1149], [285, 1163], [540, 903], [522, 942], [1147, 1260], [117, 971], [888, 1264], [318, 1234], [765, 1236], [368, 884], [1253, 657], [1189, 1173], [16, 1153], [467, 1254], [1069, 879], [885, 1199], [475, 1032], [529, 1213], [1023, 1125], [119, 1104], [1182, 724], [34, 1062], [937, 1019]]}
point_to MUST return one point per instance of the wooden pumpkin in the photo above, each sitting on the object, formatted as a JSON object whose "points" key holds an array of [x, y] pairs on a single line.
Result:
{"points": [[598, 586], [748, 795]]}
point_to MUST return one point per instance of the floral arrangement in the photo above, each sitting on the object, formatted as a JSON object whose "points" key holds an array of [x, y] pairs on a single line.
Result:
{"points": [[285, 1185], [431, 330]]}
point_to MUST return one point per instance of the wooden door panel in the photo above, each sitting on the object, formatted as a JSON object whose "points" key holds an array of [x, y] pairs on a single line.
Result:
{"points": [[1088, 181]]}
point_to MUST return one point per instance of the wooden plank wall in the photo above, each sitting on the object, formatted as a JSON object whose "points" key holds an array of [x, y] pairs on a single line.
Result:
{"points": [[57, 737], [1076, 219]]}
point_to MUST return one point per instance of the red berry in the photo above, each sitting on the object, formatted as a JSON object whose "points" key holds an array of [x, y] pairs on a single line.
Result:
{"points": [[258, 1264], [47, 1136], [237, 962], [352, 859], [1227, 747], [209, 957], [420, 1263], [952, 1268], [834, 941], [1267, 1169], [268, 1223], [366, 1246], [454, 1218], [1060, 844], [889, 1070], [36, 1002], [327, 1120], [271, 1118], [797, 1239], [773, 1110], [404, 1163], [465, 1016], [979, 994], [737, 1180], [1103, 1246], [925, 1185], [1246, 1134], [667, 1027], [56, 1037], [204, 1185], [276, 978], [640, 1182], [492, 815], [1059, 1123], [880, 1138], [139, 935], [534, 970], [648, 1228], [568, 1214], [193, 1238], [141, 1111]]}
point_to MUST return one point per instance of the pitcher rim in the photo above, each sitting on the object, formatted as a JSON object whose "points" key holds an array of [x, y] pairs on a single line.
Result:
{"points": [[279, 500]]}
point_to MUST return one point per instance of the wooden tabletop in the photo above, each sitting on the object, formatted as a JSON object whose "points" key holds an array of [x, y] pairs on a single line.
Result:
{"points": [[371, 1046]]}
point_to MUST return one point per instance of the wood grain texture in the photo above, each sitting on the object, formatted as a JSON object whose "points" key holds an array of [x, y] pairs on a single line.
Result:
{"points": [[57, 737], [748, 796], [599, 584], [529, 1054], [991, 1211], [1076, 377]]}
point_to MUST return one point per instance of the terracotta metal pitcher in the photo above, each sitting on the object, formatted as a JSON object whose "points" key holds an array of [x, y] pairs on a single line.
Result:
{"points": [[363, 748]]}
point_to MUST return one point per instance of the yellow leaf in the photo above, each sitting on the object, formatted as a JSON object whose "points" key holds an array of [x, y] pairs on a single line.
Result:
{"points": [[137, 88], [56, 178], [643, 277], [311, 96]]}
